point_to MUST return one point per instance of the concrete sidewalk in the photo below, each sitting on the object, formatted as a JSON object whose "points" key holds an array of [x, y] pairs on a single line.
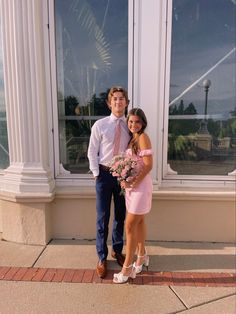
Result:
{"points": [[60, 278]]}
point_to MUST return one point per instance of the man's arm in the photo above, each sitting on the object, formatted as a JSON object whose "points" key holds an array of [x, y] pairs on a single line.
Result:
{"points": [[93, 150]]}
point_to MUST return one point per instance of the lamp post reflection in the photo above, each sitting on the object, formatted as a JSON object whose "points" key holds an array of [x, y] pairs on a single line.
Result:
{"points": [[203, 127]]}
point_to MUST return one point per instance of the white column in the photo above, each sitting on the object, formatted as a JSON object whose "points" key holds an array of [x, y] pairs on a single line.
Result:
{"points": [[24, 31]]}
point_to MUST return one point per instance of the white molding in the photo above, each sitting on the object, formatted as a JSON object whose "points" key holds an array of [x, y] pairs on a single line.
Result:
{"points": [[136, 31], [27, 178], [63, 171], [48, 81], [170, 170], [166, 88], [149, 57], [88, 192], [21, 197], [232, 173], [131, 26], [52, 38]]}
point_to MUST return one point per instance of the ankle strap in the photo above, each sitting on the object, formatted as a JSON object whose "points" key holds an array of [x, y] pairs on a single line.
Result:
{"points": [[140, 256], [145, 254], [128, 266]]}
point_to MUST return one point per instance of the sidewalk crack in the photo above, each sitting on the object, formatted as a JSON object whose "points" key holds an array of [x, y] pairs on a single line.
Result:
{"points": [[40, 254], [180, 299], [200, 304]]}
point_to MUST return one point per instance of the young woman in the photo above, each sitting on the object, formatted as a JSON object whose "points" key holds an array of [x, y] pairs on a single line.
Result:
{"points": [[138, 197]]}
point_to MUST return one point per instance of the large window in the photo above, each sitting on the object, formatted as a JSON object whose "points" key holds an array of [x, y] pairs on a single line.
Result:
{"points": [[4, 153], [202, 99], [92, 55]]}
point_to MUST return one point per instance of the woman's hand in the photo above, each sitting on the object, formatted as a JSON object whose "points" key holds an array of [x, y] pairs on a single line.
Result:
{"points": [[126, 185]]}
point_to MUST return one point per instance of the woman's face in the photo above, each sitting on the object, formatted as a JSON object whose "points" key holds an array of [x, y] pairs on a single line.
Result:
{"points": [[134, 124]]}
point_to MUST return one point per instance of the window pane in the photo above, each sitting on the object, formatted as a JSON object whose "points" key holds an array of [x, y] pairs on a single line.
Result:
{"points": [[4, 152], [202, 108], [92, 55]]}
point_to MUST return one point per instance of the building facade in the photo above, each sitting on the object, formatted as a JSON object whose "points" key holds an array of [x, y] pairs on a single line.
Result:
{"points": [[59, 58]]}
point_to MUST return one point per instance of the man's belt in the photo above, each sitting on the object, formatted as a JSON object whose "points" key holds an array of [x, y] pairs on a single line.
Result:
{"points": [[104, 168]]}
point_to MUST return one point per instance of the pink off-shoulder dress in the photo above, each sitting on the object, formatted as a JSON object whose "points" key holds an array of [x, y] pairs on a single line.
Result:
{"points": [[139, 199]]}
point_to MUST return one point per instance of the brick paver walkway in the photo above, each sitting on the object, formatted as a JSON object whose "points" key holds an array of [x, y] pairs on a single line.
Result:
{"points": [[197, 279]]}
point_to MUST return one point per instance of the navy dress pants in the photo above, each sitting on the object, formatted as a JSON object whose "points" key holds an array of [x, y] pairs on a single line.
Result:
{"points": [[106, 187]]}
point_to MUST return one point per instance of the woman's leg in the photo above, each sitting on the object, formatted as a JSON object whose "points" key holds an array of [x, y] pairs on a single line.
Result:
{"points": [[141, 240], [131, 229]]}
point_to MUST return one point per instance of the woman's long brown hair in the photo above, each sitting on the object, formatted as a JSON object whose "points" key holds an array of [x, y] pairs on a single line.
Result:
{"points": [[134, 142]]}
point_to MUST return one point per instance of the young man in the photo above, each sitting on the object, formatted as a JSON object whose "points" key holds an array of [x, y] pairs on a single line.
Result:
{"points": [[103, 142]]}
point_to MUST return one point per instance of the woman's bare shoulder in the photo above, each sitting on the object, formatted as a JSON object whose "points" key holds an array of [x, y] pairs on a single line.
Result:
{"points": [[144, 141]]}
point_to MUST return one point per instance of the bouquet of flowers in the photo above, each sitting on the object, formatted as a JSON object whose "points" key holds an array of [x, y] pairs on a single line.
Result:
{"points": [[124, 168]]}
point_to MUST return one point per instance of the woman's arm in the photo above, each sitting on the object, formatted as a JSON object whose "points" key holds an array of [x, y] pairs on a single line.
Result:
{"points": [[144, 143]]}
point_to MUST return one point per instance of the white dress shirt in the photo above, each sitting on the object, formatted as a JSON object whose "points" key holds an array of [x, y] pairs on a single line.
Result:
{"points": [[101, 144]]}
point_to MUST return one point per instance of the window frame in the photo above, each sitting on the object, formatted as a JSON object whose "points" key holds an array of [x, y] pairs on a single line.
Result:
{"points": [[140, 82], [169, 178], [62, 176]]}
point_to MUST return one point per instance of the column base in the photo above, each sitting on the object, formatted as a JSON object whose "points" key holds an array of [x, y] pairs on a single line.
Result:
{"points": [[27, 223], [21, 178]]}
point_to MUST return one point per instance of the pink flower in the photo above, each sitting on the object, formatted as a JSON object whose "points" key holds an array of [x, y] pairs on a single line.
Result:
{"points": [[124, 168]]}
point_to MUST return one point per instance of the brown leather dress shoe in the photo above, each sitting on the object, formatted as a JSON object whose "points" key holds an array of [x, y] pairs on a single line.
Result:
{"points": [[120, 258], [101, 268]]}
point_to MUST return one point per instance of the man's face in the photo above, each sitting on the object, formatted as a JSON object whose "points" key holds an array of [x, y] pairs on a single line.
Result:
{"points": [[118, 104]]}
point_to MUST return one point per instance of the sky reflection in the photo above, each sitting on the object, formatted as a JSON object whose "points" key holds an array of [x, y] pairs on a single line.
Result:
{"points": [[203, 33]]}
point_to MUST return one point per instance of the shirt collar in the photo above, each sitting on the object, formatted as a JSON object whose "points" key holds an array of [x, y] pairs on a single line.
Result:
{"points": [[114, 118]]}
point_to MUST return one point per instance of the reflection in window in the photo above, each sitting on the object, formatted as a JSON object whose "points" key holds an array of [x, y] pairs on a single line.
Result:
{"points": [[4, 152], [202, 105], [92, 55]]}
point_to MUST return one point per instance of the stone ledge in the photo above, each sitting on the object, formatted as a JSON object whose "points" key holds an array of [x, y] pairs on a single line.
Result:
{"points": [[39, 197], [88, 192], [74, 192], [195, 194]]}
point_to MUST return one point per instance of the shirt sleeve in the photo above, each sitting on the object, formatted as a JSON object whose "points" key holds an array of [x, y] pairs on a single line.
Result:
{"points": [[93, 150]]}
